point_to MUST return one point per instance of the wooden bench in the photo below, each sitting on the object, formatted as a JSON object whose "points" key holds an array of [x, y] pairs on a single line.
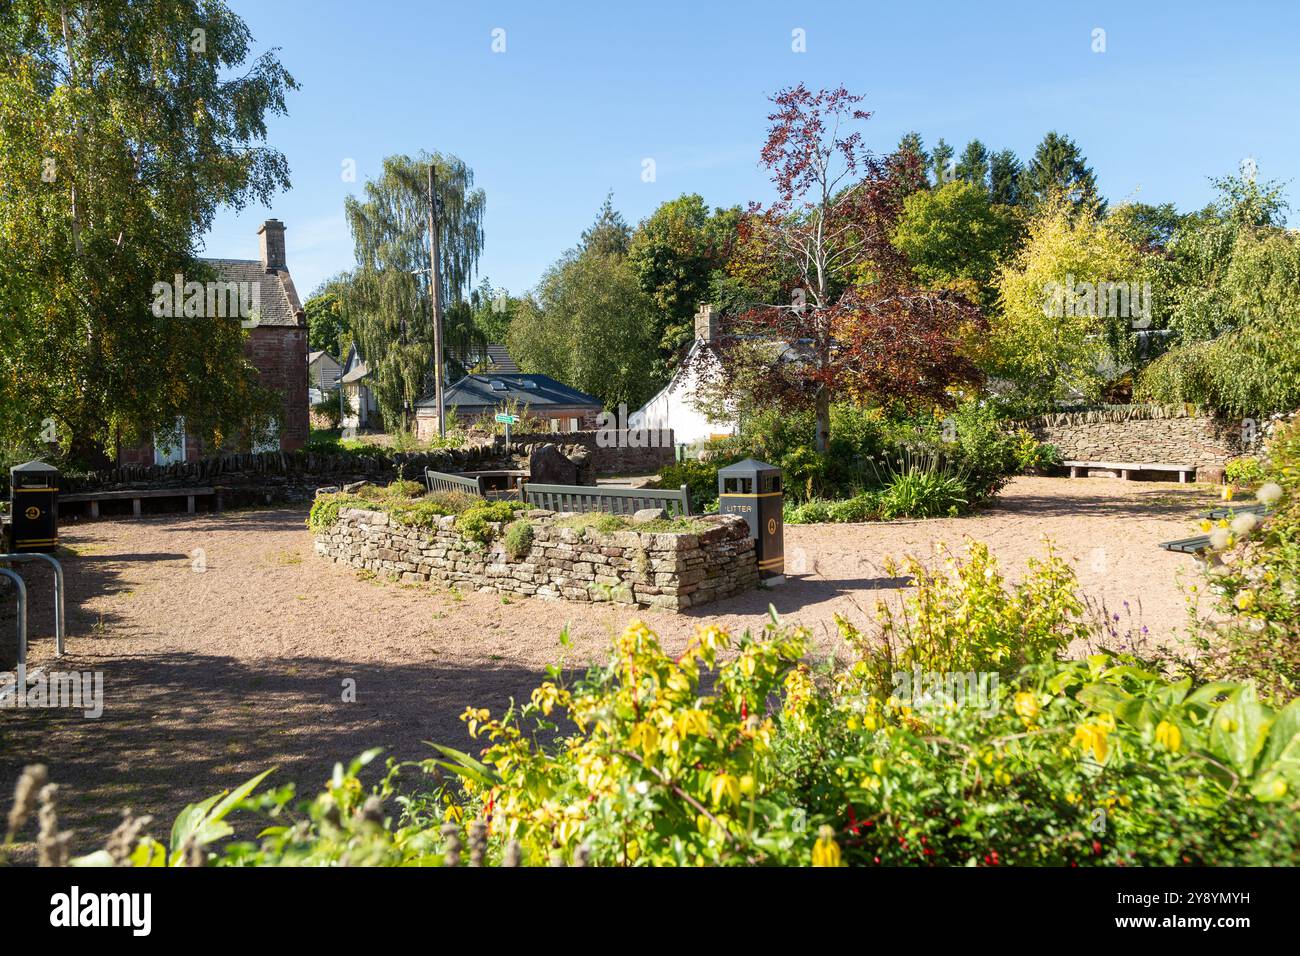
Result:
{"points": [[1228, 510], [1127, 468], [1202, 541], [441, 481], [607, 498], [1188, 545], [135, 496]]}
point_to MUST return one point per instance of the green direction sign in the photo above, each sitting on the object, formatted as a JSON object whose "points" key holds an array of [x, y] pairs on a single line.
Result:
{"points": [[505, 419]]}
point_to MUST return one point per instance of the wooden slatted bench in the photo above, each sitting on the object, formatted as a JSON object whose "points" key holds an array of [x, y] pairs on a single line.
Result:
{"points": [[137, 495], [609, 499], [1226, 510], [1127, 468], [441, 481], [1188, 545], [1202, 541]]}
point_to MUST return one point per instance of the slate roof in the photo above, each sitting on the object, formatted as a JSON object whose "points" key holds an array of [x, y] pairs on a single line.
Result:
{"points": [[496, 357], [279, 304], [476, 391]]}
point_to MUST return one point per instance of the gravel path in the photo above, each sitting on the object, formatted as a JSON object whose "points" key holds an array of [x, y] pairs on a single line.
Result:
{"points": [[211, 677]]}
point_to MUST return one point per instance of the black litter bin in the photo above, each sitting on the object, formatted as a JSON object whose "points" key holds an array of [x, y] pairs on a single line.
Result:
{"points": [[34, 506], [752, 489]]}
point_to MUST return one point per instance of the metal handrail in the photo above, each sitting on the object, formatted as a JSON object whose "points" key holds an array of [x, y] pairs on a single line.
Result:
{"points": [[22, 616], [60, 613]]}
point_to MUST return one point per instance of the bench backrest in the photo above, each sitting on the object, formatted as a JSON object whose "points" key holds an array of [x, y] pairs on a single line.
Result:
{"points": [[611, 500], [441, 481]]}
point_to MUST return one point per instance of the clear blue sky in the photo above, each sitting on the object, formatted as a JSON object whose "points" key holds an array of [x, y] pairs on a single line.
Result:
{"points": [[586, 91]]}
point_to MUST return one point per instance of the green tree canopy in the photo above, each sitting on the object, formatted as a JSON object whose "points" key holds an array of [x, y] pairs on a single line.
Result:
{"points": [[1055, 333], [610, 234], [124, 125], [955, 238], [591, 326], [674, 254], [1004, 178], [1058, 166], [973, 166], [327, 324], [1233, 280]]}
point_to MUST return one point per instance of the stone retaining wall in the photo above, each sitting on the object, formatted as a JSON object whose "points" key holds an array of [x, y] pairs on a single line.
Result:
{"points": [[1143, 434], [617, 456], [648, 569]]}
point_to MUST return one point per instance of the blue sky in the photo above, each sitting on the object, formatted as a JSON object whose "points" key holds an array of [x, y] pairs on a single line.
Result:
{"points": [[585, 92]]}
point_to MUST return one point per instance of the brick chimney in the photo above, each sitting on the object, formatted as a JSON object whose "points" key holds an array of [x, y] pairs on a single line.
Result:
{"points": [[272, 236], [706, 323]]}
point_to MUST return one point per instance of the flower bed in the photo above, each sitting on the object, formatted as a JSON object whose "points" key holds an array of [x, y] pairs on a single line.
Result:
{"points": [[663, 564]]}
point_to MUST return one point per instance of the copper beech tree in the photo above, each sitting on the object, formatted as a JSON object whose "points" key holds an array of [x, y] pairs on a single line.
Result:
{"points": [[852, 323]]}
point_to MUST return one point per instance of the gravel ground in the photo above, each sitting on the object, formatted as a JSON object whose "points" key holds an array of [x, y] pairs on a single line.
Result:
{"points": [[212, 677]]}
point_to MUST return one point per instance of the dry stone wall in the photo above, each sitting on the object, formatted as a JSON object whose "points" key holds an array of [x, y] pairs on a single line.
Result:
{"points": [[1145, 435], [648, 569]]}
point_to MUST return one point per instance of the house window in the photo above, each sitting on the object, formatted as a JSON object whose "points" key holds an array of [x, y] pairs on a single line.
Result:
{"points": [[169, 446], [555, 424], [573, 424]]}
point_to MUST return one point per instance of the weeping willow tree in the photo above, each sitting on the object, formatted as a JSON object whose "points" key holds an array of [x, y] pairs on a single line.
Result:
{"points": [[1236, 309], [388, 300]]}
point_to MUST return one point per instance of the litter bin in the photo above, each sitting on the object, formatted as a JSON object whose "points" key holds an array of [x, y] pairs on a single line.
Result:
{"points": [[752, 489], [34, 506]]}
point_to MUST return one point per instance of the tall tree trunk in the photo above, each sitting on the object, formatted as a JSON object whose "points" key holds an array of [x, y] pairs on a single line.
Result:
{"points": [[823, 419]]}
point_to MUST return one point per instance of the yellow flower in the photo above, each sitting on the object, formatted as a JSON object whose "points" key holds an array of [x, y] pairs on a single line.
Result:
{"points": [[1090, 736], [826, 852], [1245, 600], [1026, 704], [1169, 736], [725, 787]]}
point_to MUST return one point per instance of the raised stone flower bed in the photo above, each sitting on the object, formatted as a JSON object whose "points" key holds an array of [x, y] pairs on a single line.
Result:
{"points": [[673, 570]]}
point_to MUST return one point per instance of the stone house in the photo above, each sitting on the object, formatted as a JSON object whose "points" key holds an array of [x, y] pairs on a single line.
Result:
{"points": [[476, 398], [276, 346]]}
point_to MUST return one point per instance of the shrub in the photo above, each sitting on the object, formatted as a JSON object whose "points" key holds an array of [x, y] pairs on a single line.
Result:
{"points": [[476, 522], [962, 617], [812, 511], [923, 488], [1246, 470], [328, 409], [518, 539], [1255, 578], [402, 488], [700, 477]]}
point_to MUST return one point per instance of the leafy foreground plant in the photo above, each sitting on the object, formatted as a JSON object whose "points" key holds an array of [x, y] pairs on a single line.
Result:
{"points": [[740, 752]]}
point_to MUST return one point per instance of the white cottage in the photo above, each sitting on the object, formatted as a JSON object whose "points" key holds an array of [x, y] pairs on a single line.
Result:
{"points": [[675, 405]]}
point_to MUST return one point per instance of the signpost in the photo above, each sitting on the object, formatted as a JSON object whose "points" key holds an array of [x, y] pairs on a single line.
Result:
{"points": [[507, 420]]}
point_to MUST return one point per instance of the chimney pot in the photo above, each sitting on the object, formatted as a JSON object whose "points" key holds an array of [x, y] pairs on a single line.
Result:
{"points": [[272, 236]]}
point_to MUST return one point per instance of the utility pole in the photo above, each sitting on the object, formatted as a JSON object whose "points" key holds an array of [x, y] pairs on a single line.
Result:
{"points": [[435, 293]]}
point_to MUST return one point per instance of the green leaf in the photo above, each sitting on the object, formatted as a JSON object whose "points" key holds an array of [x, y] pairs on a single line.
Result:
{"points": [[1239, 729], [203, 821]]}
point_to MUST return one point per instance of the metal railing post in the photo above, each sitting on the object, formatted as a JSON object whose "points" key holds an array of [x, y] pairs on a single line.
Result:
{"points": [[22, 615], [60, 611]]}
